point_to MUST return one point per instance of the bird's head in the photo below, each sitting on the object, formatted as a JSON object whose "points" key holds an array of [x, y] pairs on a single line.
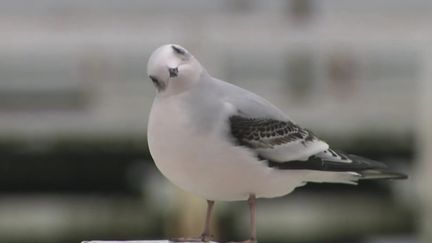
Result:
{"points": [[172, 69]]}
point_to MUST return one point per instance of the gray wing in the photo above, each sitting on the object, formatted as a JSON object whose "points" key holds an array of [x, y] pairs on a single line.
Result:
{"points": [[268, 133], [276, 140], [258, 125], [262, 127], [266, 136]]}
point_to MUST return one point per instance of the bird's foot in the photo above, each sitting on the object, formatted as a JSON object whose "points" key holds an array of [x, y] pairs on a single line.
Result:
{"points": [[251, 240], [205, 237], [181, 239], [202, 238]]}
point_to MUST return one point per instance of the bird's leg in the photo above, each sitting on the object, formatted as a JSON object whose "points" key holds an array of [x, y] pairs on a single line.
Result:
{"points": [[252, 209], [205, 236]]}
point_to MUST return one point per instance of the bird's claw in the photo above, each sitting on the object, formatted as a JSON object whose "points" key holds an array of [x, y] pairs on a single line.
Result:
{"points": [[251, 240], [206, 237], [202, 238]]}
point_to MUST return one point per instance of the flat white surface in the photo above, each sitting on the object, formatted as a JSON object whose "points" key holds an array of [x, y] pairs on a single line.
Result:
{"points": [[134, 241]]}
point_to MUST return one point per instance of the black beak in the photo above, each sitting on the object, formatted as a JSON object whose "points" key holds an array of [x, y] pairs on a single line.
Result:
{"points": [[178, 50], [153, 79], [159, 85]]}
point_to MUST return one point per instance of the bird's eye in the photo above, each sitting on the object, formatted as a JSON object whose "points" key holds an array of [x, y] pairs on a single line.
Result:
{"points": [[178, 50], [173, 72]]}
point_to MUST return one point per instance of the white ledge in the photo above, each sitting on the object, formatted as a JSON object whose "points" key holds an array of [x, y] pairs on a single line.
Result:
{"points": [[140, 241]]}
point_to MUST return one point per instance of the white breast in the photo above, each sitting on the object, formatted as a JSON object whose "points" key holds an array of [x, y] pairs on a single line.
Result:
{"points": [[205, 163]]}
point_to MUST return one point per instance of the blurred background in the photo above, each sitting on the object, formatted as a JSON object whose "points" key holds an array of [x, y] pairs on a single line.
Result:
{"points": [[75, 97]]}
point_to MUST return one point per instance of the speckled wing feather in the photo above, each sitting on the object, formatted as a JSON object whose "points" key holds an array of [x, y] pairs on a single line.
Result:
{"points": [[267, 133], [267, 137], [276, 140]]}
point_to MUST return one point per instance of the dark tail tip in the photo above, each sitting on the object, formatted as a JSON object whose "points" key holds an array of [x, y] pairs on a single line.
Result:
{"points": [[382, 175]]}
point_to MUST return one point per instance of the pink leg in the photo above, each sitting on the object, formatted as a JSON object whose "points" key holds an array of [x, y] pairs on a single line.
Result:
{"points": [[205, 236], [252, 209]]}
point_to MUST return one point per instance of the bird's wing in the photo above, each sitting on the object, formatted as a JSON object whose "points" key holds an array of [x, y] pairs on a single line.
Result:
{"points": [[261, 127], [276, 142]]}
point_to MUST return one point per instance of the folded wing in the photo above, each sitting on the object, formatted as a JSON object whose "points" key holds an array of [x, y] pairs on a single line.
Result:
{"points": [[285, 145]]}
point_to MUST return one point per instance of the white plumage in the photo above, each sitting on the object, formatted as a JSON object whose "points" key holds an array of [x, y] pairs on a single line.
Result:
{"points": [[222, 142], [188, 135]]}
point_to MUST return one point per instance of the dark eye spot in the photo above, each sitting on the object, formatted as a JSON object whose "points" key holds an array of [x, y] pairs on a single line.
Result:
{"points": [[178, 50], [173, 72]]}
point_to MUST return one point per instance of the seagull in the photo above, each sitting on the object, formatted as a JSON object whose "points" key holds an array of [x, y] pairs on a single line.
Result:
{"points": [[224, 143]]}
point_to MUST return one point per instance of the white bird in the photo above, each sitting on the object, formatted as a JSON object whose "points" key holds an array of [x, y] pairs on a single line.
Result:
{"points": [[224, 143]]}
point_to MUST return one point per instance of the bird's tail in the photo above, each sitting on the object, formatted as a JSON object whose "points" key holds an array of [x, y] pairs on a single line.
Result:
{"points": [[381, 175], [374, 170]]}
